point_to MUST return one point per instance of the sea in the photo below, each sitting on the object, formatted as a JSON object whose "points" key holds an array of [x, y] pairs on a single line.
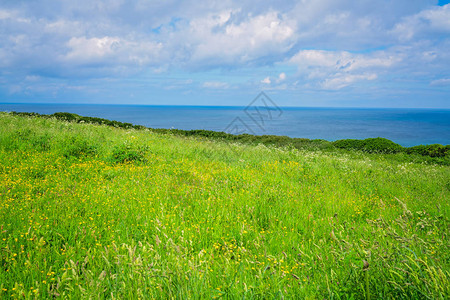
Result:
{"points": [[405, 126]]}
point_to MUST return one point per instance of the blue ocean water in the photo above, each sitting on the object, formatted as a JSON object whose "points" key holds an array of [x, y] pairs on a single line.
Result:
{"points": [[407, 127]]}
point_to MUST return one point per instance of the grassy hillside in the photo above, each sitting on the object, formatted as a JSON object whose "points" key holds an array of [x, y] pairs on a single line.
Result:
{"points": [[102, 212], [435, 153]]}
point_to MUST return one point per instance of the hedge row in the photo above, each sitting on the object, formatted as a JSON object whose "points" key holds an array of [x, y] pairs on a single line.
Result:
{"points": [[371, 145], [381, 145]]}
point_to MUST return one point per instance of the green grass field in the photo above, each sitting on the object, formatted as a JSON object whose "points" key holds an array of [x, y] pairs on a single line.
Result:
{"points": [[91, 211]]}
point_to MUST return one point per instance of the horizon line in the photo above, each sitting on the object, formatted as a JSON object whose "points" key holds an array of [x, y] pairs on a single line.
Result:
{"points": [[216, 106]]}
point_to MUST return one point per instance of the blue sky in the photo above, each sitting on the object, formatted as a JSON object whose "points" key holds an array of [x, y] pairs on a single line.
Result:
{"points": [[301, 53]]}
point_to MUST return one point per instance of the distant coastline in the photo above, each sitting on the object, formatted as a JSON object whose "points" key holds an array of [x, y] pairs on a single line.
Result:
{"points": [[434, 153], [405, 126]]}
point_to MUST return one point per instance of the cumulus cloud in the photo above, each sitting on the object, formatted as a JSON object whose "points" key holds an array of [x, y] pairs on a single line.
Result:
{"points": [[225, 39], [84, 50], [333, 44], [342, 80], [220, 34], [338, 69], [281, 77], [266, 80], [425, 24], [341, 60]]}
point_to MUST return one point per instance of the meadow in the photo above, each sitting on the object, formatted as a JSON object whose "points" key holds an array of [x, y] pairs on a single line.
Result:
{"points": [[94, 211]]}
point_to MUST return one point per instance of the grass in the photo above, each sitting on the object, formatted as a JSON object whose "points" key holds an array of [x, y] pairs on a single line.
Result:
{"points": [[93, 211], [435, 153]]}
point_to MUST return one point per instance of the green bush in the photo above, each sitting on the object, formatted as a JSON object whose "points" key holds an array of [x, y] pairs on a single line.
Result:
{"points": [[65, 116], [434, 150], [371, 145]]}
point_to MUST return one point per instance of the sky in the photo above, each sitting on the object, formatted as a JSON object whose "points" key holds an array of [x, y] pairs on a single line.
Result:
{"points": [[321, 53]]}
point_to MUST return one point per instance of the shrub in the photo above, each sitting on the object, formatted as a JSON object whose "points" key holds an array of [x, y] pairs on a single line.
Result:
{"points": [[302, 143], [381, 145], [26, 114], [434, 150], [371, 145], [65, 116]]}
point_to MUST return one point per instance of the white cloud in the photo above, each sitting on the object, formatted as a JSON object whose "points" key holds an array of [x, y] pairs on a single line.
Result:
{"points": [[83, 49], [341, 60], [215, 85], [441, 82], [332, 43], [14, 16], [5, 14], [111, 50], [424, 24], [341, 80], [266, 80], [217, 39], [338, 69], [200, 36], [350, 25], [438, 17], [64, 27], [281, 77]]}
